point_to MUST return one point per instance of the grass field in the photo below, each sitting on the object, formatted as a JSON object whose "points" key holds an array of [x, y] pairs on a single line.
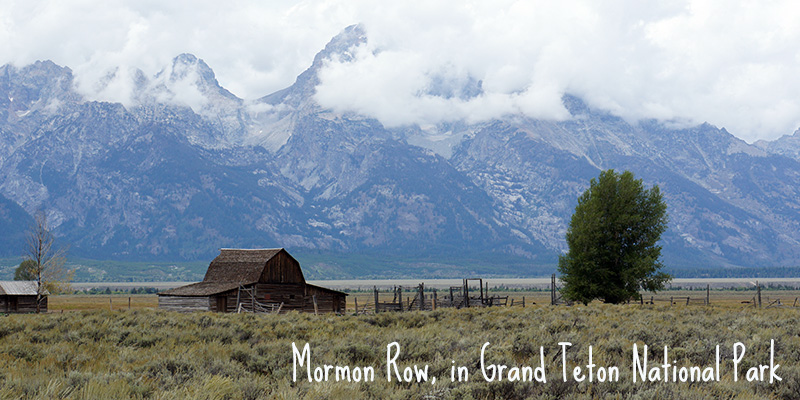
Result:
{"points": [[148, 353], [725, 297], [100, 302], [730, 298]]}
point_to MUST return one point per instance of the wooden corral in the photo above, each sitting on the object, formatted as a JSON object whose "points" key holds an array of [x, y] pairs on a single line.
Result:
{"points": [[264, 280], [20, 297], [458, 297]]}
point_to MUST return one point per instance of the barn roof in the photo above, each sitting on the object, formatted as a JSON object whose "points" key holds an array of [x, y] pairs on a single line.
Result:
{"points": [[201, 289], [239, 265], [326, 289], [24, 288], [235, 267]]}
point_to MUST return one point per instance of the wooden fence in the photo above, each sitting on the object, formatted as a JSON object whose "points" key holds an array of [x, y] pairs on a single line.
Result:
{"points": [[475, 293], [757, 301], [400, 299]]}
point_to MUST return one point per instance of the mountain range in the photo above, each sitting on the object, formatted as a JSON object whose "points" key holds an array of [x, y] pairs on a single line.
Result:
{"points": [[183, 167]]}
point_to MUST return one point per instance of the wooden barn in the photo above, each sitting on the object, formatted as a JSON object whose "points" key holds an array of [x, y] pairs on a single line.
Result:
{"points": [[263, 280], [20, 297]]}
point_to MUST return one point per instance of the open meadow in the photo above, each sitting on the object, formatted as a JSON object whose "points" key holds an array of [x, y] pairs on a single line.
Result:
{"points": [[365, 299], [148, 353], [82, 302]]}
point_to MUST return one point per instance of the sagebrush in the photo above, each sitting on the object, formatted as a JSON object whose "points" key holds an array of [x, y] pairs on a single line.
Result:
{"points": [[159, 355]]}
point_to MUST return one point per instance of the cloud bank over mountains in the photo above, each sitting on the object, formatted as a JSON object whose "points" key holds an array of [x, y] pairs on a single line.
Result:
{"points": [[733, 64]]}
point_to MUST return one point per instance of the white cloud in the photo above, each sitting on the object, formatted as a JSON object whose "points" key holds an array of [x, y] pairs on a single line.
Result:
{"points": [[728, 63], [731, 63], [254, 47]]}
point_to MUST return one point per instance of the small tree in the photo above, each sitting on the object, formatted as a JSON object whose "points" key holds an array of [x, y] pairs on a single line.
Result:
{"points": [[612, 241], [48, 261], [25, 271]]}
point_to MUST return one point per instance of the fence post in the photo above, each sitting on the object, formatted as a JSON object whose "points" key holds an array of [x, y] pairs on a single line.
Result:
{"points": [[375, 288], [523, 301], [708, 294], [435, 298], [758, 290], [314, 298], [238, 293], [356, 300], [421, 297], [129, 303], [671, 301], [687, 300], [466, 293]]}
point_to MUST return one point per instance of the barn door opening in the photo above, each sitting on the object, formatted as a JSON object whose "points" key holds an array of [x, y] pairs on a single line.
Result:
{"points": [[12, 304], [222, 304]]}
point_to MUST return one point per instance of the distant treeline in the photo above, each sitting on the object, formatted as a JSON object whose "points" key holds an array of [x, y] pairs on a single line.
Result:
{"points": [[753, 288], [141, 290], [766, 272]]}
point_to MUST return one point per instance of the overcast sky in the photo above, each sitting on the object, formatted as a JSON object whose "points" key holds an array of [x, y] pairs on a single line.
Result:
{"points": [[735, 64]]}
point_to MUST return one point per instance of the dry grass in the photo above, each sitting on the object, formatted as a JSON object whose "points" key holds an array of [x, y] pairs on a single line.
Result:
{"points": [[82, 302], [727, 298], [733, 298], [156, 354]]}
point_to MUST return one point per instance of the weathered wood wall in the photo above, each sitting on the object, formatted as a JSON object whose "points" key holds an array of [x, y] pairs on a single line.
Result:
{"points": [[282, 268], [327, 301], [185, 303], [297, 297], [230, 302], [21, 304]]}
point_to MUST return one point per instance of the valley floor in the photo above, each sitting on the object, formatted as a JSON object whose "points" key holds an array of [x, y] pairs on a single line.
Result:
{"points": [[516, 297]]}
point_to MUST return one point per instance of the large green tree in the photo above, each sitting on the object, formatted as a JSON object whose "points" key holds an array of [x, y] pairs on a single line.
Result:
{"points": [[612, 238]]}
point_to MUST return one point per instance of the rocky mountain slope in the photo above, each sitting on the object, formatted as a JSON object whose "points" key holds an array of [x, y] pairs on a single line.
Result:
{"points": [[184, 167]]}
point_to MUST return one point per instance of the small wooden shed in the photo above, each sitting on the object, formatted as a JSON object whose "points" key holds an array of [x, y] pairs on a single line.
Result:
{"points": [[20, 297], [250, 280]]}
